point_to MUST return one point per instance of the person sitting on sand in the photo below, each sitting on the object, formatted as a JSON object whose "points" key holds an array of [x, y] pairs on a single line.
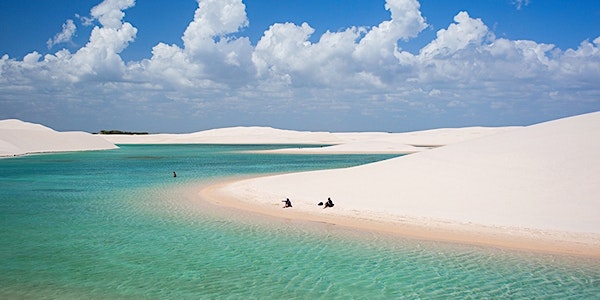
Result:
{"points": [[329, 203], [287, 202]]}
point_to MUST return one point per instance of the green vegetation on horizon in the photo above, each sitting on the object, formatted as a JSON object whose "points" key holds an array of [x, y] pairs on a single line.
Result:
{"points": [[120, 132]]}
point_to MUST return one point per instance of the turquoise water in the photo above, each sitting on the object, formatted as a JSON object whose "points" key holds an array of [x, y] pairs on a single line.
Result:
{"points": [[116, 225]]}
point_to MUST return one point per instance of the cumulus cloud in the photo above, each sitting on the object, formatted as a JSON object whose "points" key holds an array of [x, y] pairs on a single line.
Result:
{"points": [[68, 86], [65, 36], [345, 57], [210, 57], [379, 45], [99, 59], [214, 18], [110, 12], [464, 33], [288, 76]]}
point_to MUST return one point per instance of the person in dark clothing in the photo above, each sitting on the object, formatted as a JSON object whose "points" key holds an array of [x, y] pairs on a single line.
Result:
{"points": [[287, 202], [329, 203]]}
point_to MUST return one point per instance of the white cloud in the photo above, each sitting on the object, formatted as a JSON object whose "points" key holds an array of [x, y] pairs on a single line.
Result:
{"points": [[209, 57], [65, 36], [520, 3], [380, 44], [110, 12], [284, 48], [456, 103], [214, 18], [86, 21], [98, 62], [339, 58], [406, 18], [464, 33], [359, 70]]}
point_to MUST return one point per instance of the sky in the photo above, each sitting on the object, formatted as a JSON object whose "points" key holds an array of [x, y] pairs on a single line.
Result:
{"points": [[335, 65]]}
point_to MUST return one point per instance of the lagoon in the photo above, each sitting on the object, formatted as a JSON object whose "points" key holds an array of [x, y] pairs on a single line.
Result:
{"points": [[116, 224]]}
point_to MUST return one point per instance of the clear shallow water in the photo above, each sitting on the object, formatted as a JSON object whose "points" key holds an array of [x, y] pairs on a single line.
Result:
{"points": [[115, 224]]}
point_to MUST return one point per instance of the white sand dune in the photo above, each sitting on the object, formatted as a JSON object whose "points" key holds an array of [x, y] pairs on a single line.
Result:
{"points": [[233, 135], [399, 143], [18, 138], [541, 178], [361, 142]]}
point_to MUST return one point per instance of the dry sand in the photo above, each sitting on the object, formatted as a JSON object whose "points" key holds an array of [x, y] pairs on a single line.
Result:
{"points": [[19, 138], [350, 142], [536, 188]]}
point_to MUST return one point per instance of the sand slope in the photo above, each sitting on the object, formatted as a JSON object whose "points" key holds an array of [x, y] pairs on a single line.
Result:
{"points": [[544, 176], [18, 138], [232, 135], [360, 142]]}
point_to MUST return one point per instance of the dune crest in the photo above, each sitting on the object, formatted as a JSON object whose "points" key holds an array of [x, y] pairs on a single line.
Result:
{"points": [[19, 138]]}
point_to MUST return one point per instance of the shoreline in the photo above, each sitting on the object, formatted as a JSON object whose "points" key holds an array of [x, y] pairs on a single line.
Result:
{"points": [[509, 238], [507, 179]]}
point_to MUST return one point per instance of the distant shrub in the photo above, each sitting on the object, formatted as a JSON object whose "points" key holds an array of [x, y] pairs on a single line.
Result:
{"points": [[121, 132]]}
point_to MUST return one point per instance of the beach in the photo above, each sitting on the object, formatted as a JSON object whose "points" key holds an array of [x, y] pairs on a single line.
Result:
{"points": [[405, 226], [531, 188]]}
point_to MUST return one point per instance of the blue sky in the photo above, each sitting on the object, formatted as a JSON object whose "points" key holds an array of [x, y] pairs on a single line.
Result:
{"points": [[336, 65]]}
